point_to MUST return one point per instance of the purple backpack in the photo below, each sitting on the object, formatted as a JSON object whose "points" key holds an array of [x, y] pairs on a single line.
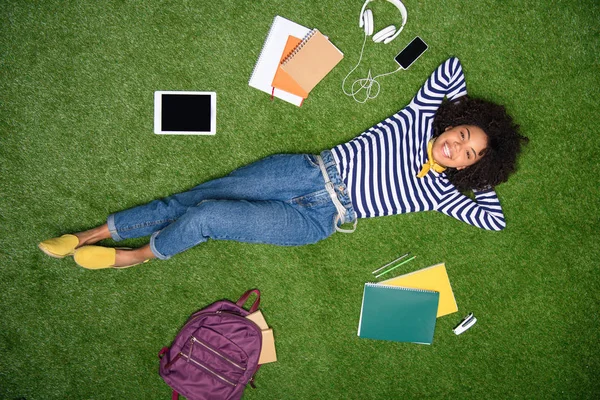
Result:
{"points": [[215, 354]]}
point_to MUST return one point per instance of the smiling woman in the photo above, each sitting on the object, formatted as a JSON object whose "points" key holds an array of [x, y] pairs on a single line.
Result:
{"points": [[395, 167], [477, 134]]}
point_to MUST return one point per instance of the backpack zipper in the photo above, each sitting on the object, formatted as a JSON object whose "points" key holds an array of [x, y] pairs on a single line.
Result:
{"points": [[218, 353], [208, 370], [203, 313], [170, 363], [218, 312]]}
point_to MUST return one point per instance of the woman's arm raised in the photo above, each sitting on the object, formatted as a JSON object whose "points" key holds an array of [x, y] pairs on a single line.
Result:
{"points": [[447, 80], [485, 212]]}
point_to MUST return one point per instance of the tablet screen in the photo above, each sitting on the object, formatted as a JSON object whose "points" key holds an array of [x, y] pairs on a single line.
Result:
{"points": [[185, 112]]}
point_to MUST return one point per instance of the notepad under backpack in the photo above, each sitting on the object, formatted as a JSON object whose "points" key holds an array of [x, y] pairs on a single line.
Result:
{"points": [[397, 313], [267, 351]]}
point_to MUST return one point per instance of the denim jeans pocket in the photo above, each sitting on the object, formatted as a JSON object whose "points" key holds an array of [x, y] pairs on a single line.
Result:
{"points": [[312, 199], [311, 160]]}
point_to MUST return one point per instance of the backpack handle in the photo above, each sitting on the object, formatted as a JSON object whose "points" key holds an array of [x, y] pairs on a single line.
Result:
{"points": [[244, 298]]}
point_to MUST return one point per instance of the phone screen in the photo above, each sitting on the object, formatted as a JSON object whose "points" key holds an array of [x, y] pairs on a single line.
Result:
{"points": [[411, 52]]}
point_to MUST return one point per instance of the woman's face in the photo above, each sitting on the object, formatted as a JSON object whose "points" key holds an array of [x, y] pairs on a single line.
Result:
{"points": [[459, 146]]}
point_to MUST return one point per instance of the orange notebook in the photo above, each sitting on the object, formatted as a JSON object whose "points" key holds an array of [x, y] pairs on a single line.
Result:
{"points": [[311, 60], [282, 79]]}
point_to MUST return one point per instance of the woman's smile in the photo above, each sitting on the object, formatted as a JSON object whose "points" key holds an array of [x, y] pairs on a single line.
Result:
{"points": [[460, 146], [447, 150]]}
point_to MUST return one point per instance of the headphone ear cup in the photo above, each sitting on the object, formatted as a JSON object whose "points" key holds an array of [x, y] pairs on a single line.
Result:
{"points": [[384, 34], [368, 22], [387, 40]]}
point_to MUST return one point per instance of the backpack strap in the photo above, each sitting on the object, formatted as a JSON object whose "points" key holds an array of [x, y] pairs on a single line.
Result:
{"points": [[251, 382], [162, 352], [244, 298]]}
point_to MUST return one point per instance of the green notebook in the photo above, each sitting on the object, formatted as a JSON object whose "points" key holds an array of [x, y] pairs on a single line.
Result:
{"points": [[398, 313]]}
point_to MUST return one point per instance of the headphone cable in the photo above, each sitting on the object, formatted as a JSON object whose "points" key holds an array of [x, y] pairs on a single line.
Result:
{"points": [[368, 83]]}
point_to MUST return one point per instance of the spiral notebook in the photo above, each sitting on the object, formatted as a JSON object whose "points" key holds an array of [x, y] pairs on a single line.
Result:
{"points": [[398, 313], [430, 278], [270, 58], [283, 80], [311, 60]]}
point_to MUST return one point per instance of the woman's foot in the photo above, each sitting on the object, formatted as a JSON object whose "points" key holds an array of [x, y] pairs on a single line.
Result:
{"points": [[98, 257], [60, 247], [65, 245]]}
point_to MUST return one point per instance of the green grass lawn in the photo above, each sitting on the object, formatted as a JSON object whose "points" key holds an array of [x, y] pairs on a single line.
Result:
{"points": [[76, 143]]}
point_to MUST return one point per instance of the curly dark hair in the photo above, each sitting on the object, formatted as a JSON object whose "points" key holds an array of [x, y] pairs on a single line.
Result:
{"points": [[499, 158]]}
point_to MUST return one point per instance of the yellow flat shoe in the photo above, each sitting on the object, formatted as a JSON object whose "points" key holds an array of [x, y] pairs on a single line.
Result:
{"points": [[59, 247], [98, 257]]}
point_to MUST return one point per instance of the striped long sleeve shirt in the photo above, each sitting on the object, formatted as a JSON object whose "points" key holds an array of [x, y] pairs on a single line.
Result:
{"points": [[380, 166]]}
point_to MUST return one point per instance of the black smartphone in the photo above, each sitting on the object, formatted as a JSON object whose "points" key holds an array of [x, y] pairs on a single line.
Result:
{"points": [[410, 53]]}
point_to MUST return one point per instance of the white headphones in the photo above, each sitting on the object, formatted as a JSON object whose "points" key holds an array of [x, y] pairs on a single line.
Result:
{"points": [[387, 34]]}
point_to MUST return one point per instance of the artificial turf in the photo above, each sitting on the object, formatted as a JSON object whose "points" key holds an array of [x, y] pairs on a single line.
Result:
{"points": [[77, 143]]}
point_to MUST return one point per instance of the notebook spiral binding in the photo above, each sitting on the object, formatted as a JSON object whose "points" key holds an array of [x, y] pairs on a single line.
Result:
{"points": [[401, 288], [299, 47]]}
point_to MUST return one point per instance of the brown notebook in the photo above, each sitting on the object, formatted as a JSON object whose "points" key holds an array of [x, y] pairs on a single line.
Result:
{"points": [[282, 79], [258, 318], [267, 351], [312, 59]]}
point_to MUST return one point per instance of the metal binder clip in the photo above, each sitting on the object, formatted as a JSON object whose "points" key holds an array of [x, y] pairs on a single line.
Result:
{"points": [[465, 324]]}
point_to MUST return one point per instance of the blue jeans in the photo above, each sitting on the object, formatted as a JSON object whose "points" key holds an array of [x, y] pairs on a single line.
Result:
{"points": [[279, 200]]}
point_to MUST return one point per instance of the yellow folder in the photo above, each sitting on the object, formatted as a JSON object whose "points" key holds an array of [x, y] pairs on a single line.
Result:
{"points": [[431, 278]]}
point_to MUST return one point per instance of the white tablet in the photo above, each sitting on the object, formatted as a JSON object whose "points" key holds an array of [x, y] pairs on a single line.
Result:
{"points": [[185, 113]]}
